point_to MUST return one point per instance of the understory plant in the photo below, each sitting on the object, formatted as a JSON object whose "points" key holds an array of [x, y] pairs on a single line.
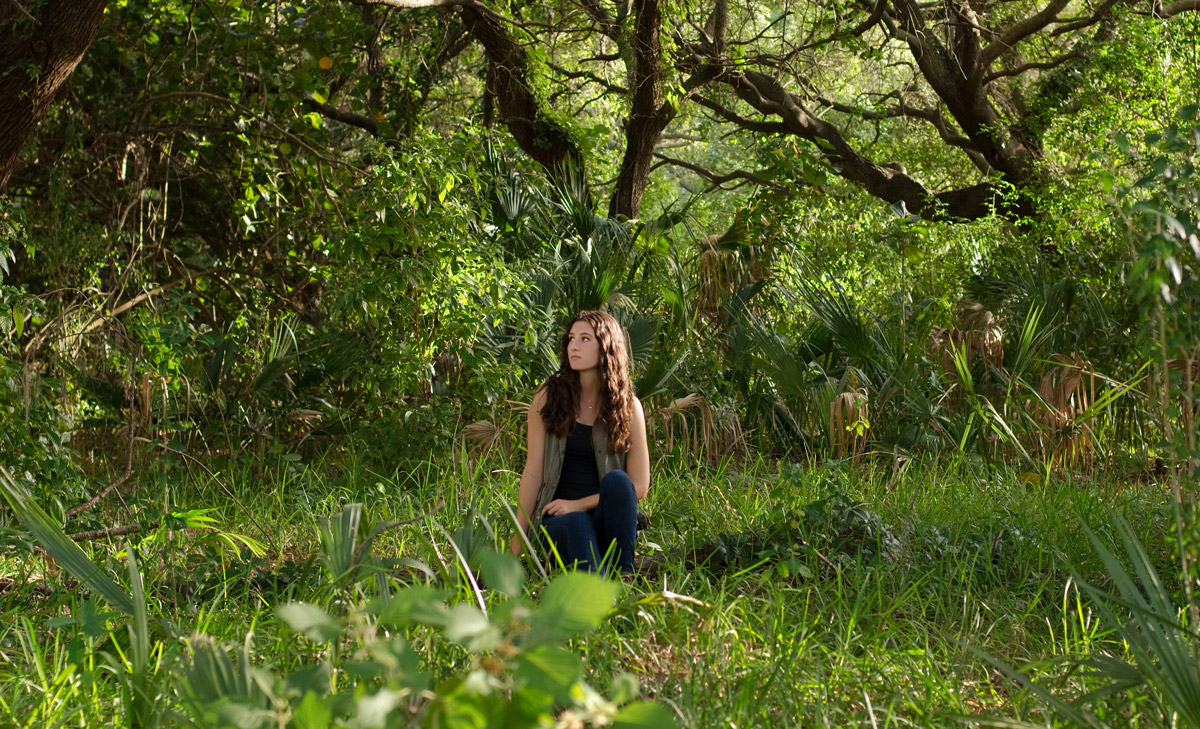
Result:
{"points": [[372, 651], [1158, 626]]}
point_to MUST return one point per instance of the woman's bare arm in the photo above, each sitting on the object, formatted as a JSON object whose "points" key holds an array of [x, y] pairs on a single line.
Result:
{"points": [[637, 462], [531, 477]]}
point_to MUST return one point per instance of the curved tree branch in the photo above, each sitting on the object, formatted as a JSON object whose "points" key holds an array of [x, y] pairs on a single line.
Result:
{"points": [[608, 25], [887, 182], [546, 141], [36, 58], [650, 111], [718, 180], [754, 125], [1180, 6], [1101, 13], [1073, 54], [409, 4], [349, 118], [1022, 30]]}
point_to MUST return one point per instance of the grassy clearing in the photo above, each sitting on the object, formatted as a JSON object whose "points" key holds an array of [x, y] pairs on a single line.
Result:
{"points": [[771, 595]]}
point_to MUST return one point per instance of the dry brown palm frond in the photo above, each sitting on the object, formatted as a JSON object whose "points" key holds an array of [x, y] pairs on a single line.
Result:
{"points": [[978, 334], [986, 338], [945, 342], [714, 432], [686, 402], [714, 279], [305, 416], [1189, 404], [1183, 365], [695, 431], [848, 423], [728, 436], [1066, 390], [481, 432], [498, 436]]}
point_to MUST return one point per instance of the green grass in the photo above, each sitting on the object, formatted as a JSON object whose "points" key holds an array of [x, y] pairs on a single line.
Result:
{"points": [[755, 609]]}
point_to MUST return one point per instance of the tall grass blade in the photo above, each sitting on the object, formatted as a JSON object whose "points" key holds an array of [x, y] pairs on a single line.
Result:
{"points": [[142, 712], [1165, 652], [339, 540], [58, 545]]}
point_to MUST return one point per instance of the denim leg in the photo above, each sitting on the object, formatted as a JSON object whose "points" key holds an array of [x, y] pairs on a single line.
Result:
{"points": [[616, 518], [574, 536]]}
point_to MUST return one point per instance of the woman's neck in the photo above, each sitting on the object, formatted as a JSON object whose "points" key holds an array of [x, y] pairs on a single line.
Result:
{"points": [[589, 385]]}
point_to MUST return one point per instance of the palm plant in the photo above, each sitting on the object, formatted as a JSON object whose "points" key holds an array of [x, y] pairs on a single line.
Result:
{"points": [[1160, 649], [575, 259], [850, 366]]}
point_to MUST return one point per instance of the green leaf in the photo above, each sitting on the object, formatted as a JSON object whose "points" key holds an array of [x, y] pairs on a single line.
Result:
{"points": [[464, 710], [310, 621], [311, 713], [374, 709], [503, 572], [550, 669], [65, 552], [419, 603], [306, 679], [88, 618], [646, 714], [363, 669], [624, 688], [573, 603], [469, 626], [339, 539]]}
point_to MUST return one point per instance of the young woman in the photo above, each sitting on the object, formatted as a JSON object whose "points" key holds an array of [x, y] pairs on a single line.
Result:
{"points": [[588, 462]]}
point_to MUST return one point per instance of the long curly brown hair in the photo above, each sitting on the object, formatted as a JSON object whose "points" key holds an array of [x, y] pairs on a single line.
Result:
{"points": [[616, 394]]}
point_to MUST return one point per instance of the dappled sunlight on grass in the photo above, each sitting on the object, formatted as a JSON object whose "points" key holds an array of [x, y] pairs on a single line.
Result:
{"points": [[776, 594]]}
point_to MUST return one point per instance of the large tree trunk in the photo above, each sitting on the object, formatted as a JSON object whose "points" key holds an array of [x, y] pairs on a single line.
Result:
{"points": [[648, 117], [39, 48], [539, 136], [650, 113]]}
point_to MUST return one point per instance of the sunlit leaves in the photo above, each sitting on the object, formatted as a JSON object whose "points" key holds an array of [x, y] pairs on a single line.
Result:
{"points": [[310, 621]]}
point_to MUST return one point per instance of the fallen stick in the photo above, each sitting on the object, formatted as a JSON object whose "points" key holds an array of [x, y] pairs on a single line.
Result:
{"points": [[37, 587], [108, 533], [100, 494], [130, 435]]}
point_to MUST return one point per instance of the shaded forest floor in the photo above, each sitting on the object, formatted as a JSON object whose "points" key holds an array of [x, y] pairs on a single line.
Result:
{"points": [[767, 595]]}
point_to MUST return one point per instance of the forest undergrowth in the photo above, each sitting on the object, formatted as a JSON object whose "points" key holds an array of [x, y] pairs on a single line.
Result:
{"points": [[768, 594]]}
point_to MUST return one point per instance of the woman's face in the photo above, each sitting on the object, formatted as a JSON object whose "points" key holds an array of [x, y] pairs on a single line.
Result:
{"points": [[583, 351]]}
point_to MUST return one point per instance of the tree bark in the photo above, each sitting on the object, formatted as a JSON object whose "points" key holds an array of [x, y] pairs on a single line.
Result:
{"points": [[650, 113], [39, 49], [546, 141], [886, 182]]}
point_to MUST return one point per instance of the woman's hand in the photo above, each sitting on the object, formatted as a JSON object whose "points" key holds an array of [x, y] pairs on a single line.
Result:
{"points": [[558, 507], [531, 477]]}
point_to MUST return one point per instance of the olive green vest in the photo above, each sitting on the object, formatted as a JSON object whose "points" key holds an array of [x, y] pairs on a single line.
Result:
{"points": [[552, 461]]}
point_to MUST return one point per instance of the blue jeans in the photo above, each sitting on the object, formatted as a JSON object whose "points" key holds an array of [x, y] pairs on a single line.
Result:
{"points": [[583, 538]]}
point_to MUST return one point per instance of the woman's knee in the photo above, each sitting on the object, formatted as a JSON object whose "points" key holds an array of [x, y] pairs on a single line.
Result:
{"points": [[617, 481], [563, 524]]}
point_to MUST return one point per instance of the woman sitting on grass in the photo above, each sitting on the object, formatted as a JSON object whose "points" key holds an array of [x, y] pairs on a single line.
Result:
{"points": [[588, 462]]}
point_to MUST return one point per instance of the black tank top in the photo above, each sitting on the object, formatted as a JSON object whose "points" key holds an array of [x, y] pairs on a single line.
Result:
{"points": [[579, 477]]}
